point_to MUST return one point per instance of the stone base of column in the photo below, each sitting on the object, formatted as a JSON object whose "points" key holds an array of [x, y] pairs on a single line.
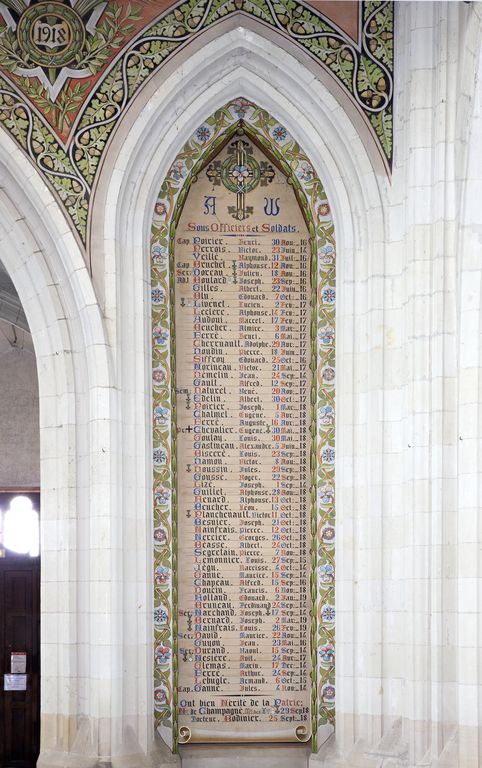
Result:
{"points": [[156, 759], [392, 751], [245, 756], [85, 748]]}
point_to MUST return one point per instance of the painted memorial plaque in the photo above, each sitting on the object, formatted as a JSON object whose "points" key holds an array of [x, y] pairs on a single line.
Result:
{"points": [[242, 329]]}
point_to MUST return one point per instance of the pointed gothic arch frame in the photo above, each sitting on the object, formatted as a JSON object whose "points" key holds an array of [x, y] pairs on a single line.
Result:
{"points": [[74, 370], [159, 121], [278, 144], [105, 339]]}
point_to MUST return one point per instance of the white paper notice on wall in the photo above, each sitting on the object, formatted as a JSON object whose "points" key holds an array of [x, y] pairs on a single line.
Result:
{"points": [[18, 662], [15, 683]]}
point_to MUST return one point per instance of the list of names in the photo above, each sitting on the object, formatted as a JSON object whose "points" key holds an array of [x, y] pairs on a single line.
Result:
{"points": [[242, 320]]}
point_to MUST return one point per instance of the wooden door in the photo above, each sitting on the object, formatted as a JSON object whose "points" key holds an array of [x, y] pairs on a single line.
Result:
{"points": [[20, 632]]}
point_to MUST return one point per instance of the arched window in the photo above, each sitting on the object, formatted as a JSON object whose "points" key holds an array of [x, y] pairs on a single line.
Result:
{"points": [[19, 525]]}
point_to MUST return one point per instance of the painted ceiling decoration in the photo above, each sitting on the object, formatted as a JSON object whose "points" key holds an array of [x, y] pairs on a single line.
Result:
{"points": [[68, 70]]}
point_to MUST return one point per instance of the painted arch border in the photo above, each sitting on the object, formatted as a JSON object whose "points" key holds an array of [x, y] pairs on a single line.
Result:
{"points": [[274, 139]]}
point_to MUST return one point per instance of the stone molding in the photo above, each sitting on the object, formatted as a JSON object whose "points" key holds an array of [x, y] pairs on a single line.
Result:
{"points": [[68, 154]]}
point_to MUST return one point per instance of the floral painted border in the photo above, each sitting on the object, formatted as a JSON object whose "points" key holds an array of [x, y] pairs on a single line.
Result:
{"points": [[364, 70], [276, 140]]}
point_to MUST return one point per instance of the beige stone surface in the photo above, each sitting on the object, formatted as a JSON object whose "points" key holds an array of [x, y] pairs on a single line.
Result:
{"points": [[408, 401], [238, 756]]}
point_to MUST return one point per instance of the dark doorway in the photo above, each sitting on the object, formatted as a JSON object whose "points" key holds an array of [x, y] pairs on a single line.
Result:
{"points": [[19, 630]]}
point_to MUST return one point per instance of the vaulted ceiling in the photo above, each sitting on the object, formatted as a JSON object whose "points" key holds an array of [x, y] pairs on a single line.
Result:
{"points": [[10, 307]]}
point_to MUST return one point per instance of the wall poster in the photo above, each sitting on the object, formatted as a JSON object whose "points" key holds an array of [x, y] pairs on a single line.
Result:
{"points": [[242, 319], [243, 427]]}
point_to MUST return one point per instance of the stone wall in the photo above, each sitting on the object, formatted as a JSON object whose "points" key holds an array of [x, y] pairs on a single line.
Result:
{"points": [[408, 398], [19, 416]]}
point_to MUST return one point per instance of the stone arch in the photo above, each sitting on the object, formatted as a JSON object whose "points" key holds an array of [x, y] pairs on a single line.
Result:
{"points": [[196, 82], [360, 72], [74, 370], [159, 121]]}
